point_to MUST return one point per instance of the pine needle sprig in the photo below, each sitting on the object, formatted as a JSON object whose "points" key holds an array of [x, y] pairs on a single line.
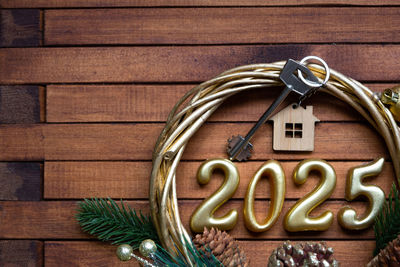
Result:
{"points": [[198, 258], [387, 223], [116, 224]]}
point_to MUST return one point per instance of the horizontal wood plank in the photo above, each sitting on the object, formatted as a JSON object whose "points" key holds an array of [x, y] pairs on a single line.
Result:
{"points": [[221, 25], [20, 181], [20, 28], [162, 3], [21, 253], [55, 220], [349, 141], [19, 104], [141, 103], [78, 253], [182, 63], [74, 180]]}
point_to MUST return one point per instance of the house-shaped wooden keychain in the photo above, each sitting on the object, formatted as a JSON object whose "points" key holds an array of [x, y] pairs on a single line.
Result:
{"points": [[294, 129]]}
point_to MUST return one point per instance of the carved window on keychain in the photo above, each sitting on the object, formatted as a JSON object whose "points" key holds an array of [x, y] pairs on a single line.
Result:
{"points": [[294, 130]]}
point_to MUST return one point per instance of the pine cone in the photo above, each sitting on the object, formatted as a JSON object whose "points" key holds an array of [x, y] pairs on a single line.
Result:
{"points": [[307, 254], [222, 246], [389, 256]]}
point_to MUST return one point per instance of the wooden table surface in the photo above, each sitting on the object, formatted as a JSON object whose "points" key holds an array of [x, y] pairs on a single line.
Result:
{"points": [[86, 85]]}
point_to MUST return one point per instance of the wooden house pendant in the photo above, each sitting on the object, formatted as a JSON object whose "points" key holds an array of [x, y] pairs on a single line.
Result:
{"points": [[294, 129]]}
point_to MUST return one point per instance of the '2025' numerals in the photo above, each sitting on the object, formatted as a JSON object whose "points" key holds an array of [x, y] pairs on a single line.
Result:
{"points": [[297, 218]]}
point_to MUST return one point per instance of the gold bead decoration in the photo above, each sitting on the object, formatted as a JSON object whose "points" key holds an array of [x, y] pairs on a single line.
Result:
{"points": [[147, 247], [124, 252], [391, 97]]}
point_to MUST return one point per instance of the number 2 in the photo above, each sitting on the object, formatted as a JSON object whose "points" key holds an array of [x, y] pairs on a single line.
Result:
{"points": [[297, 218], [203, 216]]}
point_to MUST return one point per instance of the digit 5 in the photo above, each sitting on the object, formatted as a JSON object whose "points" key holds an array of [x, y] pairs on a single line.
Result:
{"points": [[347, 217]]}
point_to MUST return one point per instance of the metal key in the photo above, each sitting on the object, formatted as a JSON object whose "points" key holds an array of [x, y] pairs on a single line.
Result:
{"points": [[239, 147]]}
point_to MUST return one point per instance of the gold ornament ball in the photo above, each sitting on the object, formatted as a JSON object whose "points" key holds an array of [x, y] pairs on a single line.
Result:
{"points": [[147, 247], [124, 252]]}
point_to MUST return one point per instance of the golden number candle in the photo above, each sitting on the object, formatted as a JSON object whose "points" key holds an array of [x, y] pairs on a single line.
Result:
{"points": [[297, 218], [347, 217], [274, 171], [203, 216]]}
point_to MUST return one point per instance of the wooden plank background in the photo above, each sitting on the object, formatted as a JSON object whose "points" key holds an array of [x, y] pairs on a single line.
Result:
{"points": [[86, 86]]}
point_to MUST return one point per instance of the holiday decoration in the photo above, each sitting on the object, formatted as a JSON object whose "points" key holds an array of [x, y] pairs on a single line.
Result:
{"points": [[297, 218], [203, 215], [124, 252], [274, 172], [173, 242], [294, 128], [302, 254], [118, 225], [147, 247], [222, 246], [389, 256], [121, 224], [387, 223], [387, 233], [391, 97], [198, 104], [347, 216]]}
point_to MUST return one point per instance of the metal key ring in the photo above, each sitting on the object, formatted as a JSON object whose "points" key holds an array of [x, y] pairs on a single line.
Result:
{"points": [[311, 83]]}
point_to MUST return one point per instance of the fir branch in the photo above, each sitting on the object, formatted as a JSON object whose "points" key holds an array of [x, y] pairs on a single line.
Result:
{"points": [[198, 258], [119, 225], [387, 223]]}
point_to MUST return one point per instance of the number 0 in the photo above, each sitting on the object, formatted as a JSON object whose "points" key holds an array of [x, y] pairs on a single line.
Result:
{"points": [[274, 171]]}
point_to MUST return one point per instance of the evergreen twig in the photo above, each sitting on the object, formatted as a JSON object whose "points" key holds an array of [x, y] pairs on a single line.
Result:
{"points": [[198, 258], [116, 224], [107, 221], [387, 223]]}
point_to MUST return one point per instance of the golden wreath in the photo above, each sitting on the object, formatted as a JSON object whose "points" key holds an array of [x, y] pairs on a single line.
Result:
{"points": [[193, 109]]}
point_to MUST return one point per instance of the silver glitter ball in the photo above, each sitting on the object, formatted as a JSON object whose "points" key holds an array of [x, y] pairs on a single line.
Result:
{"points": [[124, 252], [147, 247]]}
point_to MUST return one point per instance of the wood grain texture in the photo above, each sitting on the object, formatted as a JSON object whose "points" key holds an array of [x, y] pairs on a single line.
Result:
{"points": [[55, 220], [349, 141], [221, 25], [143, 103], [163, 3], [105, 102], [19, 104], [294, 129], [27, 253], [20, 28], [130, 180], [182, 63], [20, 181], [85, 253]]}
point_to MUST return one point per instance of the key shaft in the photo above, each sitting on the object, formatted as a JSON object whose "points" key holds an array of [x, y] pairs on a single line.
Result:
{"points": [[293, 83], [267, 114]]}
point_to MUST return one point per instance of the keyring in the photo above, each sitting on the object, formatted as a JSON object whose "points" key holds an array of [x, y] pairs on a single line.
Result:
{"points": [[311, 83]]}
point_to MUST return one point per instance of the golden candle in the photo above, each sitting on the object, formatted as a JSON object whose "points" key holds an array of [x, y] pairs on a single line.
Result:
{"points": [[203, 216], [274, 171], [297, 218], [347, 217]]}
